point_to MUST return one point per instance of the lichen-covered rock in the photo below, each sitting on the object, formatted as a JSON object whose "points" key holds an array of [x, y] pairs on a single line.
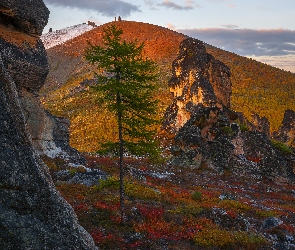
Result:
{"points": [[28, 16], [50, 134], [25, 59], [33, 215], [210, 138], [260, 124]]}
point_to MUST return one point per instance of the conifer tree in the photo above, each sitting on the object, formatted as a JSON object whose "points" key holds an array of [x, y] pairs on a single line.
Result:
{"points": [[125, 86]]}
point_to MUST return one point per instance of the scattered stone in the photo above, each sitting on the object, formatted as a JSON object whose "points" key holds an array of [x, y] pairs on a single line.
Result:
{"points": [[89, 178], [227, 197], [270, 222]]}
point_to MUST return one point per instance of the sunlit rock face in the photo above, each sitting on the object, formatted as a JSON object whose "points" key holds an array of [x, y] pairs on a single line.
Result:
{"points": [[33, 215], [206, 133], [197, 79]]}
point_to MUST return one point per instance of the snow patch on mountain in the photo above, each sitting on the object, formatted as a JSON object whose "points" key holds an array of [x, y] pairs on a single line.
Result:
{"points": [[57, 37]]}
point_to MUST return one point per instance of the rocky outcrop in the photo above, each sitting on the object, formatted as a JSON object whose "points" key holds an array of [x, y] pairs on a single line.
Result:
{"points": [[25, 59], [197, 78], [286, 132], [212, 141], [208, 134], [260, 124], [30, 18], [33, 215]]}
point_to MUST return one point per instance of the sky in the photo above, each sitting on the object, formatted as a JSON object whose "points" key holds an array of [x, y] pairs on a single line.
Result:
{"points": [[260, 29]]}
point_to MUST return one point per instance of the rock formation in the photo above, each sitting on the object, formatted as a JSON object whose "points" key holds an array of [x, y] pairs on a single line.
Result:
{"points": [[286, 132], [197, 79], [33, 215], [25, 59], [209, 134]]}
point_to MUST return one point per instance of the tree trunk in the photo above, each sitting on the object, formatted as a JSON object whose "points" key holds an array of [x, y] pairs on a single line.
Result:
{"points": [[121, 151]]}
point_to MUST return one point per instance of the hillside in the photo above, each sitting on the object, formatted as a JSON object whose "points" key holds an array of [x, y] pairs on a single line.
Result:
{"points": [[256, 87], [64, 95]]}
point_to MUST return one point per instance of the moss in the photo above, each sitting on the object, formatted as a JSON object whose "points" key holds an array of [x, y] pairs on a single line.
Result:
{"points": [[227, 131], [283, 148], [244, 127], [196, 196], [215, 237]]}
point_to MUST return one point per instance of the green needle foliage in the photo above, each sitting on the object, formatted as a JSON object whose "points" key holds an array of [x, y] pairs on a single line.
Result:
{"points": [[125, 86]]}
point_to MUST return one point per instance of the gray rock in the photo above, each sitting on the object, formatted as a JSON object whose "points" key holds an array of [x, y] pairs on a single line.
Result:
{"points": [[30, 17], [33, 215], [286, 132], [25, 60], [197, 78], [207, 132], [270, 222], [89, 178]]}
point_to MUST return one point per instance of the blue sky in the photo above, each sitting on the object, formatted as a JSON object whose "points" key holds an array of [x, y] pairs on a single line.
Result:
{"points": [[261, 29]]}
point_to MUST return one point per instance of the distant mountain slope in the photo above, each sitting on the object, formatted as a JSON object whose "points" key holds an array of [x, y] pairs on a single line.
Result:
{"points": [[257, 87], [64, 92], [57, 37]]}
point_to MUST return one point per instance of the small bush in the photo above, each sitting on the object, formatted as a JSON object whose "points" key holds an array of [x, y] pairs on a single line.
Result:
{"points": [[227, 131], [244, 127], [282, 147], [236, 206], [111, 182], [196, 196], [139, 191], [188, 209]]}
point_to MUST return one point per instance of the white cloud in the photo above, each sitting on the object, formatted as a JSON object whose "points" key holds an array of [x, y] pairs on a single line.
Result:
{"points": [[247, 42], [107, 8], [171, 26], [174, 6]]}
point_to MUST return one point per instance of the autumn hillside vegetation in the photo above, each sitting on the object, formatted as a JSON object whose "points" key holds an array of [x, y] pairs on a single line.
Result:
{"points": [[256, 87]]}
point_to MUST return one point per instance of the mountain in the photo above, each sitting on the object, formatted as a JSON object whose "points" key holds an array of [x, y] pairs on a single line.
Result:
{"points": [[64, 91], [256, 87]]}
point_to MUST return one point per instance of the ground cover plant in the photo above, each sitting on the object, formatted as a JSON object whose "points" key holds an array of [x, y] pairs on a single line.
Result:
{"points": [[175, 208]]}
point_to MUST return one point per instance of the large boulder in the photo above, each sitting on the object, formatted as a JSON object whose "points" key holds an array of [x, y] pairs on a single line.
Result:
{"points": [[30, 17], [33, 215], [25, 60]]}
